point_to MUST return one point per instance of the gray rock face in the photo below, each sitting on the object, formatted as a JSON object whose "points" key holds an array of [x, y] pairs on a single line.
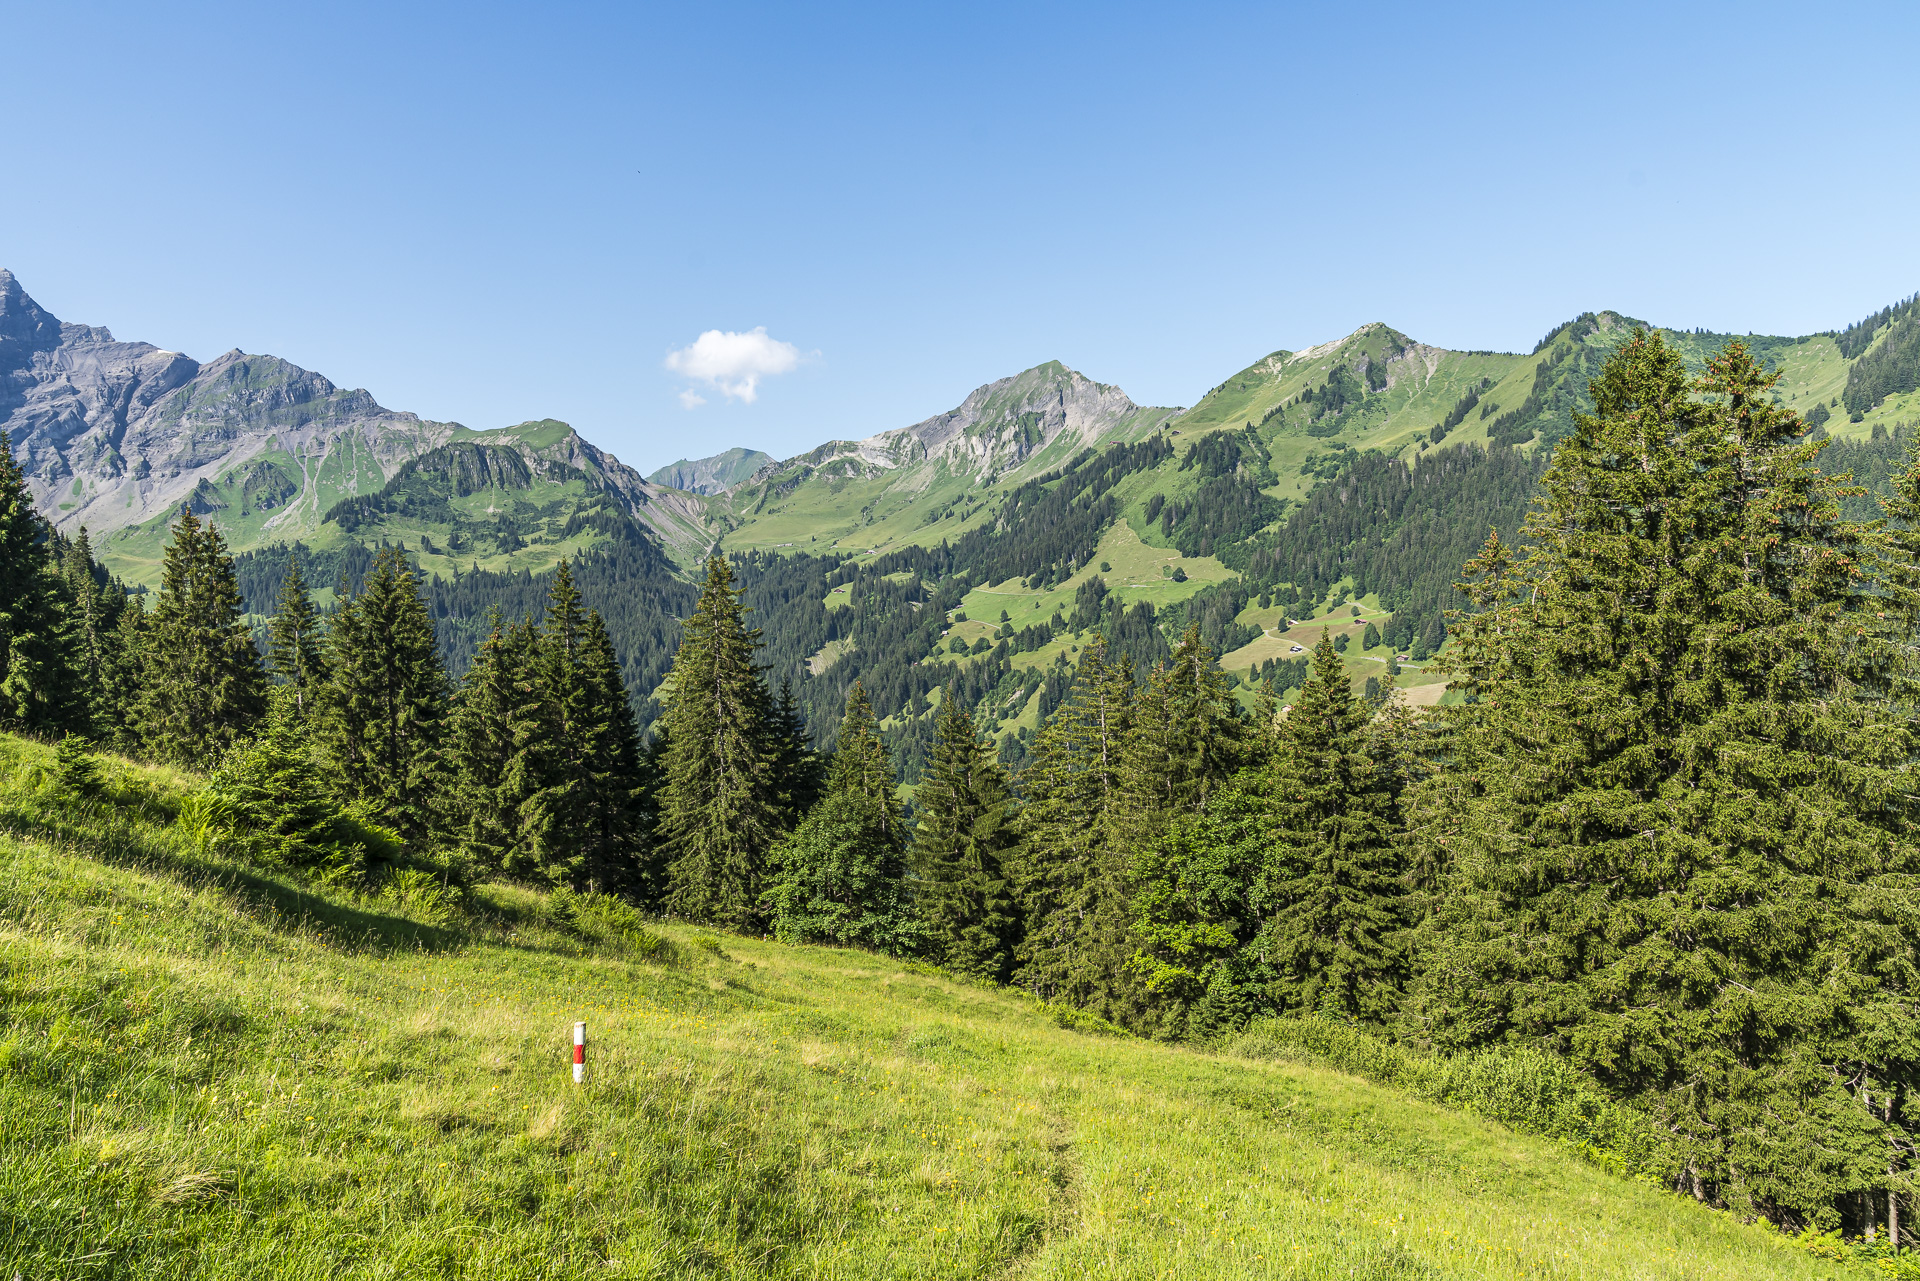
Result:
{"points": [[111, 434], [715, 475], [1037, 418]]}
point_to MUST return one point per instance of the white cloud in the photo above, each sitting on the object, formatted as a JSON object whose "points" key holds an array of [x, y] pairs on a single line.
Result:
{"points": [[732, 364]]}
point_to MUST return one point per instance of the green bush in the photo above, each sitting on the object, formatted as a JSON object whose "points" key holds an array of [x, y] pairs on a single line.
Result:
{"points": [[610, 922], [78, 772], [268, 804]]}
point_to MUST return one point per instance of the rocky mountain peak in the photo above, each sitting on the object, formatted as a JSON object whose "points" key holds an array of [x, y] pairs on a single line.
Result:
{"points": [[25, 326]]}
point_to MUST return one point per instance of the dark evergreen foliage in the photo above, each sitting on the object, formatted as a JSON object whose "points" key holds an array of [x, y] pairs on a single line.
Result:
{"points": [[1889, 368], [383, 707], [961, 849], [295, 634], [37, 685], [840, 876], [1068, 867], [1673, 833], [490, 736], [202, 684], [720, 804], [1854, 340]]}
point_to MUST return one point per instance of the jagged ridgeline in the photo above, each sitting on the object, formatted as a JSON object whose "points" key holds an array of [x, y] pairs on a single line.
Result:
{"points": [[978, 549], [1351, 522]]}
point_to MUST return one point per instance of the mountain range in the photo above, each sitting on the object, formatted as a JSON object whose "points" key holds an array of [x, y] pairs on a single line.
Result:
{"points": [[977, 546]]}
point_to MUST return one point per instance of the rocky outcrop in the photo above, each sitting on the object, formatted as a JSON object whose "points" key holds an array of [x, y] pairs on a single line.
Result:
{"points": [[1046, 414], [113, 433]]}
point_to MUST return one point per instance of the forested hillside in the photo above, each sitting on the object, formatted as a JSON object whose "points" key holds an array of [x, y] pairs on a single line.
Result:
{"points": [[1689, 668], [1304, 483]]}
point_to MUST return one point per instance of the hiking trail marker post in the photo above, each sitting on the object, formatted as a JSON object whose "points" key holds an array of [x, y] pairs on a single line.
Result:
{"points": [[579, 1053]]}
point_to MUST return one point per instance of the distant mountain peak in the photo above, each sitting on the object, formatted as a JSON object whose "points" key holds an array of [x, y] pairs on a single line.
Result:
{"points": [[25, 325], [712, 475], [1038, 417], [117, 436]]}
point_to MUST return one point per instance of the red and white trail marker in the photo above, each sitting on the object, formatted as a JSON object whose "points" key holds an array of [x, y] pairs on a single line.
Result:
{"points": [[579, 1053]]}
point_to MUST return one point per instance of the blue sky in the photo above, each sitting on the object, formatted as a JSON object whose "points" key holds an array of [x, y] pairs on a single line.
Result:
{"points": [[491, 214]]}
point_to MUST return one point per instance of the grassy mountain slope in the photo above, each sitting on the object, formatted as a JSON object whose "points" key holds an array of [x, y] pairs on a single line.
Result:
{"points": [[915, 486], [212, 1071], [515, 499], [714, 475], [1376, 389]]}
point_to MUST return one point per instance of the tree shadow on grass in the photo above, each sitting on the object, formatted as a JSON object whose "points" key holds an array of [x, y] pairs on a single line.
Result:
{"points": [[269, 897]]}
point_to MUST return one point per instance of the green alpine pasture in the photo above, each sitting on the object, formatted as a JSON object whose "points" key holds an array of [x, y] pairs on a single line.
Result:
{"points": [[207, 1070]]}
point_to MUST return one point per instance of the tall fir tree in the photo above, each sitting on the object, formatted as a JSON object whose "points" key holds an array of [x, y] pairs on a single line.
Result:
{"points": [[295, 651], [383, 707], [860, 762], [1271, 898], [1066, 869], [38, 689], [94, 603], [651, 878], [557, 815], [1329, 888], [965, 838], [204, 688], [487, 771], [798, 770], [839, 877], [720, 806], [1186, 740], [1678, 843], [123, 679], [614, 774]]}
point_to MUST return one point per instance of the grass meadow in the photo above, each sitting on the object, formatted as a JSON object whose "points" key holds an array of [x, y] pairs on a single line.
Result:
{"points": [[210, 1071]]}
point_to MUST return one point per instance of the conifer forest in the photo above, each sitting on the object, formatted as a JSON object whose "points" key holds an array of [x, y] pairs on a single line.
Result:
{"points": [[1664, 834]]}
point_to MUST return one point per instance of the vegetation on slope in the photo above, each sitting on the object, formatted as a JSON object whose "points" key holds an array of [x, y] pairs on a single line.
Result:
{"points": [[213, 1070]]}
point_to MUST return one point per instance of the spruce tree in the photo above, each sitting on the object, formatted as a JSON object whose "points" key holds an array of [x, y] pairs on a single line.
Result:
{"points": [[962, 845], [719, 808], [383, 707], [37, 683], [93, 604], [1679, 841], [615, 776], [123, 679], [1202, 885], [1064, 872], [651, 880], [204, 688], [294, 651], [839, 877], [487, 773], [557, 814], [860, 763], [1186, 740], [798, 770], [1329, 885]]}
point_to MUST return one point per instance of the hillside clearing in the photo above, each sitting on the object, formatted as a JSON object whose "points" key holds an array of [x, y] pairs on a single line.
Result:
{"points": [[214, 1072]]}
